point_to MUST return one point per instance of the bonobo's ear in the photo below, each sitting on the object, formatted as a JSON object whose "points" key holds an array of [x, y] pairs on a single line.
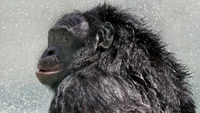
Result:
{"points": [[105, 38]]}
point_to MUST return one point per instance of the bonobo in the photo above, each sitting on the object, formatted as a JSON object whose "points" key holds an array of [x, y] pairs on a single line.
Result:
{"points": [[105, 60]]}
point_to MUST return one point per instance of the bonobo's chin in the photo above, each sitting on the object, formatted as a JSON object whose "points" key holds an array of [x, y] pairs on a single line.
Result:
{"points": [[49, 75]]}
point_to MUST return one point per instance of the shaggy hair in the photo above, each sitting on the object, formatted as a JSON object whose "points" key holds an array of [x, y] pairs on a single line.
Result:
{"points": [[135, 74]]}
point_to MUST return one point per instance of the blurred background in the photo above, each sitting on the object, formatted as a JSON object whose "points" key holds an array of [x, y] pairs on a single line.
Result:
{"points": [[23, 38]]}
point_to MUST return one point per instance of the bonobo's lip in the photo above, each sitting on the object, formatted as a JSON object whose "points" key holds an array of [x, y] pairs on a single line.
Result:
{"points": [[46, 71], [48, 75]]}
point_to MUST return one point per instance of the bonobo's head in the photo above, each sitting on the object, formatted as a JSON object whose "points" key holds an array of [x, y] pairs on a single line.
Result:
{"points": [[65, 39]]}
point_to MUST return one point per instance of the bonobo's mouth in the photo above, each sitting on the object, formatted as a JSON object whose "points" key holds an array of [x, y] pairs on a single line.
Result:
{"points": [[48, 70], [48, 75]]}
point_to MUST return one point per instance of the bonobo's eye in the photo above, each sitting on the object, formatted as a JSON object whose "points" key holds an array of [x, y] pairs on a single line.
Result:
{"points": [[64, 38]]}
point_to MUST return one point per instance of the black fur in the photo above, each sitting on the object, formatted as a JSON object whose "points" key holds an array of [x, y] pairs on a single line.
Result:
{"points": [[135, 74]]}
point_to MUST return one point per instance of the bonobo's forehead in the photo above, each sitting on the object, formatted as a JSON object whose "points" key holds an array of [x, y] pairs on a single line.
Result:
{"points": [[73, 23], [58, 31]]}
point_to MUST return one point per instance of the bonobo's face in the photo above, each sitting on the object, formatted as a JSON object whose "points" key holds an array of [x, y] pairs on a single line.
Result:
{"points": [[63, 42], [62, 45]]}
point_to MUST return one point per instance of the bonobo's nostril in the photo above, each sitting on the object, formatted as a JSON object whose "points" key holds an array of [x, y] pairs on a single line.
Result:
{"points": [[51, 52]]}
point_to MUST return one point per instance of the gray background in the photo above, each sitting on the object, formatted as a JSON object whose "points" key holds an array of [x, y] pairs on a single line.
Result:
{"points": [[23, 37]]}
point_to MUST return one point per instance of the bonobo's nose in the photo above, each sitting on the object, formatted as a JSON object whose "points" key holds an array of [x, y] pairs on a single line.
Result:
{"points": [[51, 51]]}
